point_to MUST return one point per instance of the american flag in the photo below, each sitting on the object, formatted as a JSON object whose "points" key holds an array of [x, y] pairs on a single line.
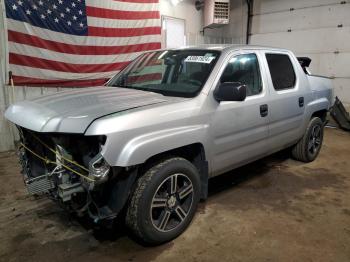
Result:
{"points": [[77, 42]]}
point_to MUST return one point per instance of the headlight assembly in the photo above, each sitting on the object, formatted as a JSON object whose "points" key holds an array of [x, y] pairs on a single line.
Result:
{"points": [[98, 167]]}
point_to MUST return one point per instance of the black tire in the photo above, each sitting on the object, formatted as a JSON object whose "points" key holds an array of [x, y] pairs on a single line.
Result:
{"points": [[157, 213], [308, 147]]}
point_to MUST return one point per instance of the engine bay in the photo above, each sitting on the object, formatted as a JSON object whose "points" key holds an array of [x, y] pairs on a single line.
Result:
{"points": [[68, 168]]}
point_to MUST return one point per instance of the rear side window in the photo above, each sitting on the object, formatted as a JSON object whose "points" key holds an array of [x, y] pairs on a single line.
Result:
{"points": [[282, 71]]}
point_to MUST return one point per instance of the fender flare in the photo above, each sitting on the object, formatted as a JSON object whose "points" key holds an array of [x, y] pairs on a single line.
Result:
{"points": [[317, 105]]}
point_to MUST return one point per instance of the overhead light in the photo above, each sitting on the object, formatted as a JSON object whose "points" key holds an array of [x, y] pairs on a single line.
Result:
{"points": [[175, 2]]}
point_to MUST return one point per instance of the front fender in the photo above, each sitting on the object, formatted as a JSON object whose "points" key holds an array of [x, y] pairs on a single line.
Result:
{"points": [[142, 147]]}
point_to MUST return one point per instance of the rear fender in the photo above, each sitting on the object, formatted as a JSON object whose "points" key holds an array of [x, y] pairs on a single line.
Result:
{"points": [[315, 106]]}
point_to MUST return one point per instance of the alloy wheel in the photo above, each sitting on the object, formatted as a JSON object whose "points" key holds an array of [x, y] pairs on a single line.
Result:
{"points": [[314, 140], [171, 202]]}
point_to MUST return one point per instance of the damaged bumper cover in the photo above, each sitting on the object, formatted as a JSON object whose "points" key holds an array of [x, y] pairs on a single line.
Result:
{"points": [[68, 168]]}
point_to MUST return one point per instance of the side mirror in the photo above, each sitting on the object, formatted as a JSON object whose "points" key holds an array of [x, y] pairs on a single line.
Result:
{"points": [[230, 91]]}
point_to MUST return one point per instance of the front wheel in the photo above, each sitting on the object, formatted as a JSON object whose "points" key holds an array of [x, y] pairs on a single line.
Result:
{"points": [[309, 146], [164, 201]]}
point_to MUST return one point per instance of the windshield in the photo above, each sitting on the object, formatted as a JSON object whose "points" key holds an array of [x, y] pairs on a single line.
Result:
{"points": [[173, 73]]}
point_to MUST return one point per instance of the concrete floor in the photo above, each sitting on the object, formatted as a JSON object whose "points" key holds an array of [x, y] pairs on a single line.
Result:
{"points": [[275, 209]]}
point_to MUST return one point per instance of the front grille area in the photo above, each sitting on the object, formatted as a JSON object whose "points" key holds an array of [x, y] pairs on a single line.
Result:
{"points": [[36, 185], [69, 169], [40, 185], [51, 159]]}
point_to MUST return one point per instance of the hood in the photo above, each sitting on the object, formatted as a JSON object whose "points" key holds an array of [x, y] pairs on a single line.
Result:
{"points": [[73, 111]]}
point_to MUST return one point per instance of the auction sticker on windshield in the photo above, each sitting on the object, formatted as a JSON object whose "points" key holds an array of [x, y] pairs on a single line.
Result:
{"points": [[199, 59]]}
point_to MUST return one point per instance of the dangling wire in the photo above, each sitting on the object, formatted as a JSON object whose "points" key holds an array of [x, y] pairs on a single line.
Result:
{"points": [[48, 161], [57, 154]]}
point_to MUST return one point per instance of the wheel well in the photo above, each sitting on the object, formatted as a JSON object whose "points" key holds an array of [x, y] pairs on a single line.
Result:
{"points": [[194, 153], [321, 114], [189, 152], [125, 178]]}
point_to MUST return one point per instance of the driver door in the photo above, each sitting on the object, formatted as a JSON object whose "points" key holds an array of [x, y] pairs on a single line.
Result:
{"points": [[239, 130]]}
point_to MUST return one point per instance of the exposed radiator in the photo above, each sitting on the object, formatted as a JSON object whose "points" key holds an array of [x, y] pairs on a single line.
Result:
{"points": [[39, 185]]}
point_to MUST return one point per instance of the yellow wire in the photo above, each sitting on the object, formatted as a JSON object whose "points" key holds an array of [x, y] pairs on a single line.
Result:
{"points": [[48, 161], [57, 154]]}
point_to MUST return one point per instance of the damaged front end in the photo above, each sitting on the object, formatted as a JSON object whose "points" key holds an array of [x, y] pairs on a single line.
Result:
{"points": [[70, 169]]}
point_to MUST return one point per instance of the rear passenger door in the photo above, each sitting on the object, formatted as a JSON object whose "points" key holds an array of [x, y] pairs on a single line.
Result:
{"points": [[286, 101]]}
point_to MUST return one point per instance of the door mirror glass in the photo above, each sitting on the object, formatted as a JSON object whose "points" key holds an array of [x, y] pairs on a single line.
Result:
{"points": [[230, 91]]}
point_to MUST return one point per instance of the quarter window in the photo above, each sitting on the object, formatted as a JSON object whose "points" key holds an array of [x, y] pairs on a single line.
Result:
{"points": [[281, 70], [245, 70]]}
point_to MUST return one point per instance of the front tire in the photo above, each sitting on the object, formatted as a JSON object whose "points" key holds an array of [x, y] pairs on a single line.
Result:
{"points": [[164, 201], [307, 149]]}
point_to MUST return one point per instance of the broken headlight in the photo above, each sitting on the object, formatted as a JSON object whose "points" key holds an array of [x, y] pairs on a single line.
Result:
{"points": [[99, 168]]}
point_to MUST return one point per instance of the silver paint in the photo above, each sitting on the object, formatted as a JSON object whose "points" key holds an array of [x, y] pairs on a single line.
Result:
{"points": [[139, 124]]}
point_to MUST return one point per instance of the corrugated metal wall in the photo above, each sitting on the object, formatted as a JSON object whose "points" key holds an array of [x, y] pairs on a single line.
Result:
{"points": [[319, 29]]}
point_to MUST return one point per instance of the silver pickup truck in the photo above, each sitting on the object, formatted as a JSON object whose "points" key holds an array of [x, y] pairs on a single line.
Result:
{"points": [[144, 146]]}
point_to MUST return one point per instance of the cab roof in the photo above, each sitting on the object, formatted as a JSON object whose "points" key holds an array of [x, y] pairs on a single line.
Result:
{"points": [[228, 47]]}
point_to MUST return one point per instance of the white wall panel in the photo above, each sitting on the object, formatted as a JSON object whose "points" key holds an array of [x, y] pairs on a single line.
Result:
{"points": [[309, 41], [342, 90], [314, 32], [329, 64], [269, 6], [303, 19]]}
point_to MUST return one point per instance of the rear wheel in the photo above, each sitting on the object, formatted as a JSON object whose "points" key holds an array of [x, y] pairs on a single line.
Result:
{"points": [[164, 201], [309, 146]]}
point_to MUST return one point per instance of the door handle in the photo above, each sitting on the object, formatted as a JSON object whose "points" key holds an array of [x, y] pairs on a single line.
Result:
{"points": [[264, 110], [301, 101]]}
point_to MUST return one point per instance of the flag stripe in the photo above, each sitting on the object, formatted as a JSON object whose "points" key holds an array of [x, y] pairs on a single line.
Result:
{"points": [[79, 83], [123, 6], [123, 32], [117, 14], [146, 77], [49, 75], [79, 40], [24, 49], [137, 1], [33, 72], [31, 61], [150, 70], [22, 80], [78, 49], [119, 23]]}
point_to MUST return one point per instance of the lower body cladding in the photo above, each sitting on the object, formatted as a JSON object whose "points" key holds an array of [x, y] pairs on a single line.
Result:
{"points": [[69, 169]]}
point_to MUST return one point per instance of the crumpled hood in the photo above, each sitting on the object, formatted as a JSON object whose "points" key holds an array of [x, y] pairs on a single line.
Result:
{"points": [[73, 111]]}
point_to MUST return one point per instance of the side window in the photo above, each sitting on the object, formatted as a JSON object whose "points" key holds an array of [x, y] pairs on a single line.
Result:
{"points": [[244, 69], [281, 70]]}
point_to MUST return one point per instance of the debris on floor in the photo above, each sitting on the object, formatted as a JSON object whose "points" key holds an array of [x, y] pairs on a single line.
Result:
{"points": [[340, 115]]}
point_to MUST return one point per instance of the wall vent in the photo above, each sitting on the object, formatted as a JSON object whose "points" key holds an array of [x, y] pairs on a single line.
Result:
{"points": [[216, 13]]}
